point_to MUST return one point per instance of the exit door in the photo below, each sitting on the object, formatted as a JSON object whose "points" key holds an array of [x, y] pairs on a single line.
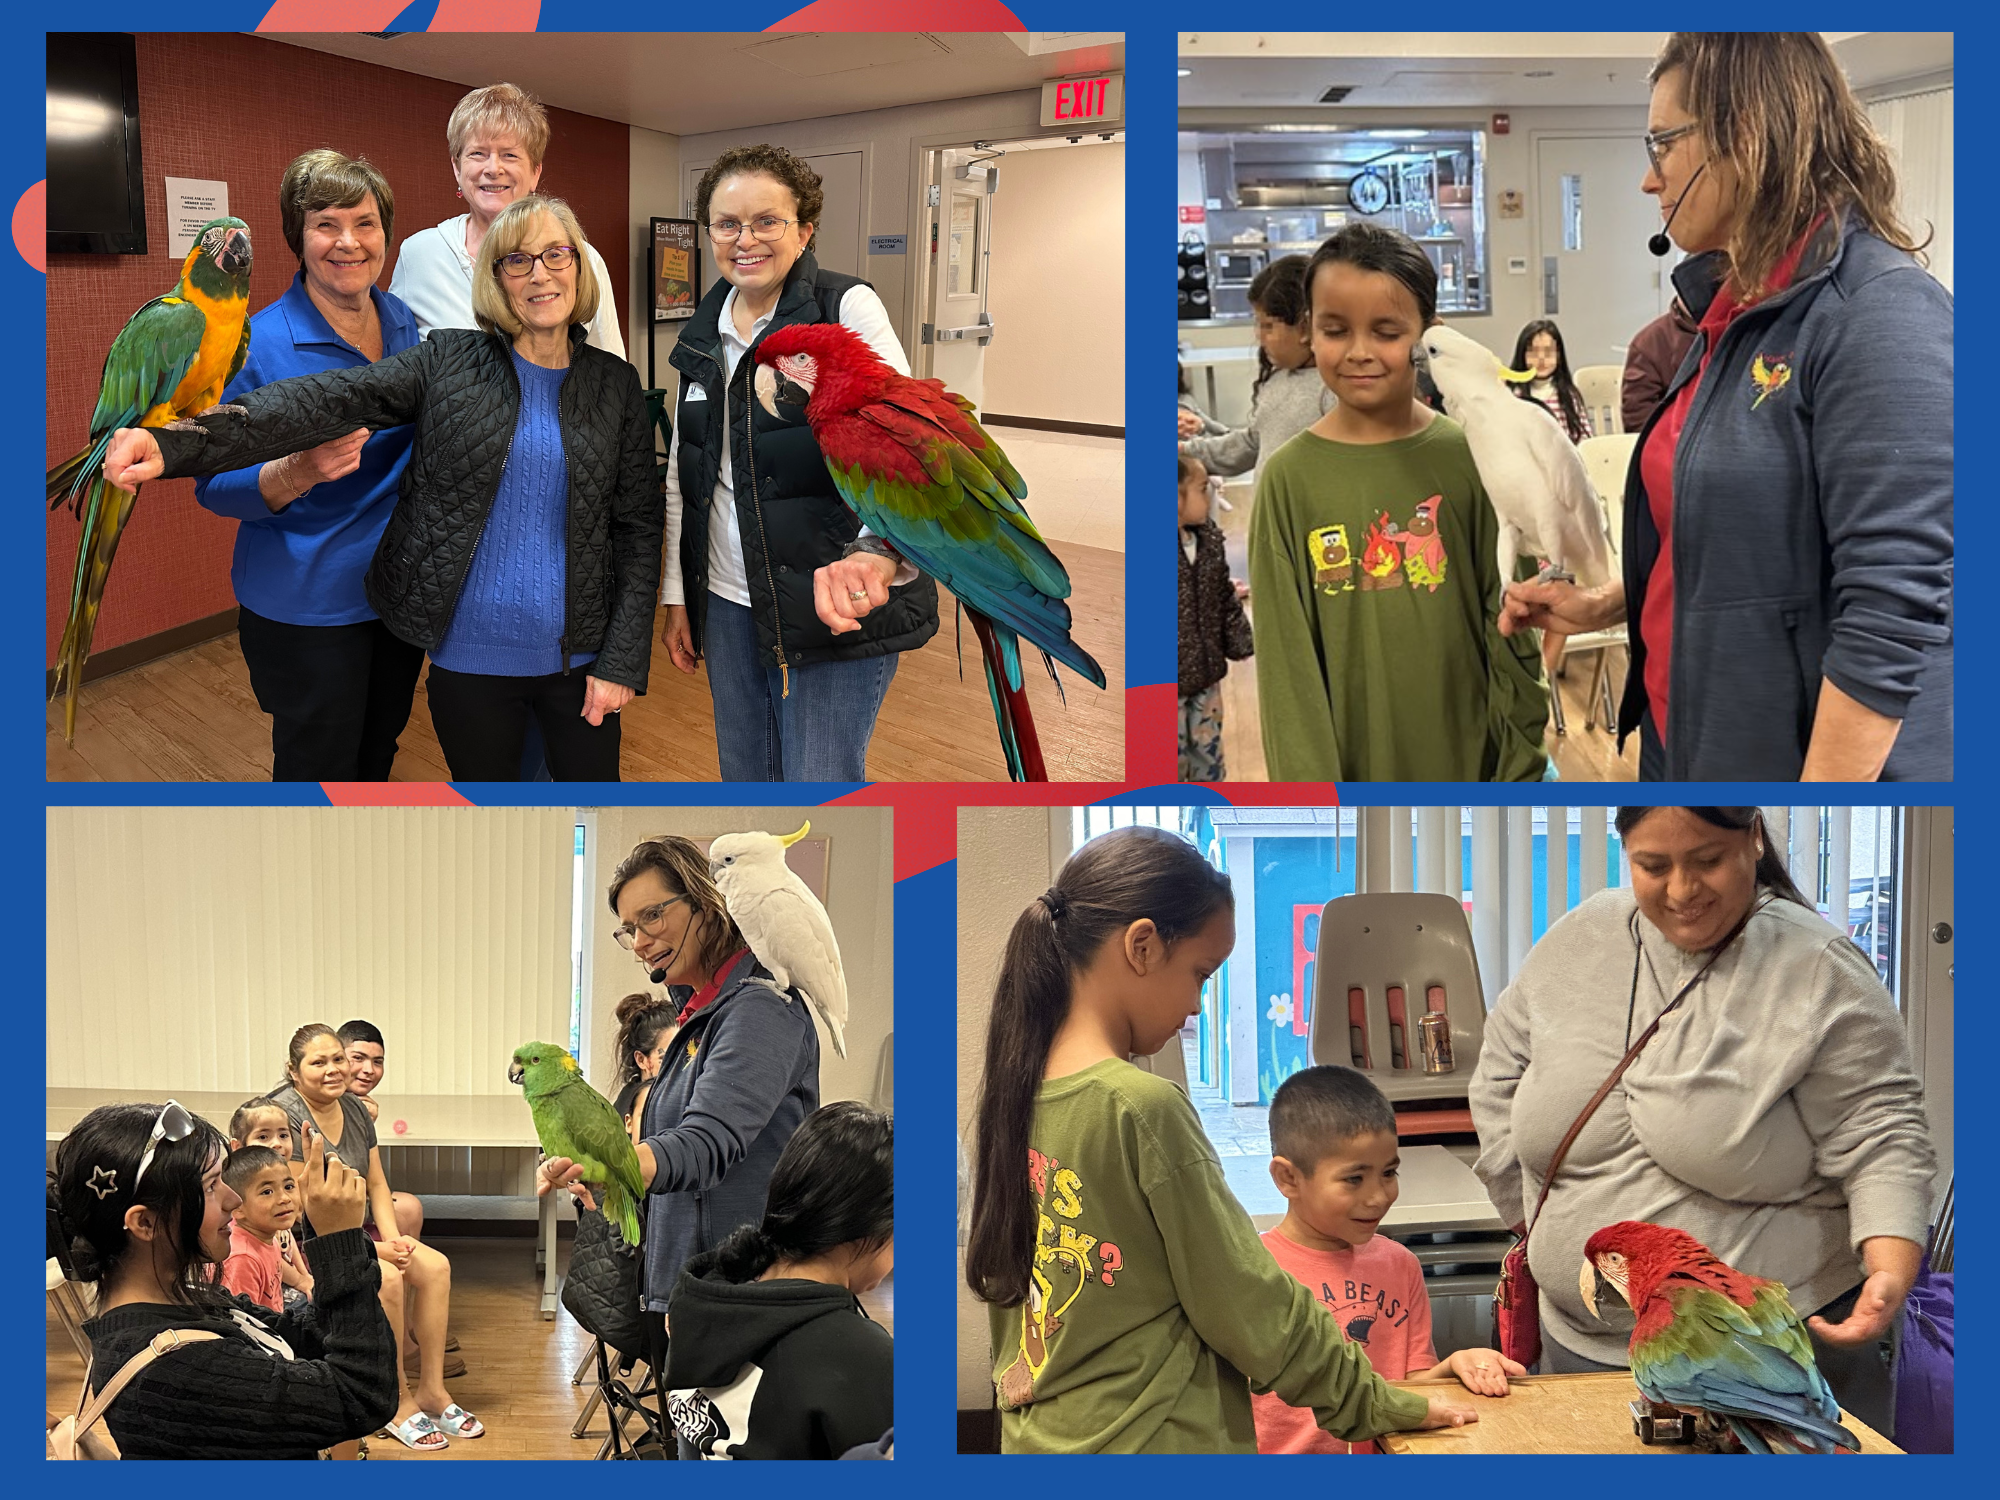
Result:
{"points": [[958, 246], [1597, 279]]}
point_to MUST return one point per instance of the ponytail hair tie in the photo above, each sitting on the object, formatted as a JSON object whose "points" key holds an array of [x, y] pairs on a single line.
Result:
{"points": [[1055, 901]]}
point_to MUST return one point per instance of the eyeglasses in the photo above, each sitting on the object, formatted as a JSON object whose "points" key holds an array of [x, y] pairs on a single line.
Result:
{"points": [[763, 227], [648, 922], [174, 1124], [520, 263], [1657, 139]]}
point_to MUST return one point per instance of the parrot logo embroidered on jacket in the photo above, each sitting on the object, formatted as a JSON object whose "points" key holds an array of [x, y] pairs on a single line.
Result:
{"points": [[1769, 378], [1423, 555], [1332, 561]]}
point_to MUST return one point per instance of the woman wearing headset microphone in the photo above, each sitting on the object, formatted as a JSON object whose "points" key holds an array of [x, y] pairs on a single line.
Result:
{"points": [[1788, 515]]}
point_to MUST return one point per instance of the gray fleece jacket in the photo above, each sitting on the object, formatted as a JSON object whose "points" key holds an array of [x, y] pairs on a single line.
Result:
{"points": [[1289, 402], [1774, 1116]]}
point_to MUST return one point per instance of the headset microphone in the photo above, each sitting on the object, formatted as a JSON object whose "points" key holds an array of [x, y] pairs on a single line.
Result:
{"points": [[658, 976], [1659, 244]]}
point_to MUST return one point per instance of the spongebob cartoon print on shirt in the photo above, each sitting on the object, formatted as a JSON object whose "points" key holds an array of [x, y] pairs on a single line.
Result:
{"points": [[1391, 554], [1067, 1259]]}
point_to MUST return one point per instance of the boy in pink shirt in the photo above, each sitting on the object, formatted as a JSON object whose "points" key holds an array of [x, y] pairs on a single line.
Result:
{"points": [[257, 1266], [1334, 1157]]}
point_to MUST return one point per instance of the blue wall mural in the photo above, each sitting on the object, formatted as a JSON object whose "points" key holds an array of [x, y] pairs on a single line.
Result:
{"points": [[1295, 878]]}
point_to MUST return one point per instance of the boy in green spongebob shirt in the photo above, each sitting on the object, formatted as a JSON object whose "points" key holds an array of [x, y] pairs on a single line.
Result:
{"points": [[1153, 1309], [1374, 559]]}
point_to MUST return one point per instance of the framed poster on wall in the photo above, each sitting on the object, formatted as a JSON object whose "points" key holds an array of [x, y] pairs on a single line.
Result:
{"points": [[676, 269]]}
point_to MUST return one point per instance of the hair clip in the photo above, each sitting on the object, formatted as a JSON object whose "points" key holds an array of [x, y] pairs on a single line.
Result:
{"points": [[110, 1184]]}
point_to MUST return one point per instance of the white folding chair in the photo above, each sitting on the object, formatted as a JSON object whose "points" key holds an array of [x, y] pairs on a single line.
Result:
{"points": [[1608, 460], [1601, 387]]}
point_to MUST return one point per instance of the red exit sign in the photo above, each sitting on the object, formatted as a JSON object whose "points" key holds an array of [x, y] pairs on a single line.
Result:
{"points": [[1084, 101]]}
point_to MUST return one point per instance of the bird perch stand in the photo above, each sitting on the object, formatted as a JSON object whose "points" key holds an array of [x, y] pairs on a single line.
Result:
{"points": [[1657, 1423]]}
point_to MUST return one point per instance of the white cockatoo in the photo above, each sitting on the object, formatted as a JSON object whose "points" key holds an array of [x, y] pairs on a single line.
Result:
{"points": [[1539, 487], [782, 921]]}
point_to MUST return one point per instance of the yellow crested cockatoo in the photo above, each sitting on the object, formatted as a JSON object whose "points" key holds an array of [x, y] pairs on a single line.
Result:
{"points": [[782, 921], [1539, 487]]}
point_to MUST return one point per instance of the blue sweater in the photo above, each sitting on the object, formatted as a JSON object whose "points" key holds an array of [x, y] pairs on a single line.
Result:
{"points": [[1812, 529], [510, 621], [737, 1082], [304, 565]]}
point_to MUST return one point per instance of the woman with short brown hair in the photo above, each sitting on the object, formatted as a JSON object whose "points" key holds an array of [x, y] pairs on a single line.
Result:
{"points": [[336, 681]]}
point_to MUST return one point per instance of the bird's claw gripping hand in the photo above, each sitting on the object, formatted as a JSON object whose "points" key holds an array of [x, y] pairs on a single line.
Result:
{"points": [[1555, 573]]}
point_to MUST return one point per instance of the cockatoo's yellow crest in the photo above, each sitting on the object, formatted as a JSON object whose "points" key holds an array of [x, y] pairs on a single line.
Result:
{"points": [[790, 839]]}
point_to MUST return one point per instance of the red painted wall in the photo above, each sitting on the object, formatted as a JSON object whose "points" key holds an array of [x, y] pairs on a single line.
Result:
{"points": [[240, 108]]}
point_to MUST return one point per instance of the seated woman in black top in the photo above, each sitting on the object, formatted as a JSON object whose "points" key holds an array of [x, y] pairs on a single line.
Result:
{"points": [[141, 1194]]}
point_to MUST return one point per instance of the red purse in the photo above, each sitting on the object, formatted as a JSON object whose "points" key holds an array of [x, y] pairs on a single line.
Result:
{"points": [[1517, 1311]]}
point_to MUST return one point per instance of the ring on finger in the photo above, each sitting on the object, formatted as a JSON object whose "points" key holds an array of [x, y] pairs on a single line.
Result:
{"points": [[857, 594]]}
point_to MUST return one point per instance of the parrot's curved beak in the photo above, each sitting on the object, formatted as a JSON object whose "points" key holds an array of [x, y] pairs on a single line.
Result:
{"points": [[790, 839], [1586, 1283], [516, 1073], [235, 257]]}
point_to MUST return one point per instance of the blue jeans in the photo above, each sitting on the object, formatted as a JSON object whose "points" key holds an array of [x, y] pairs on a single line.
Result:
{"points": [[819, 732]]}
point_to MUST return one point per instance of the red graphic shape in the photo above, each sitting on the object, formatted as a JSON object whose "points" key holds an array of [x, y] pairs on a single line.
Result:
{"points": [[901, 15], [375, 15], [1152, 733], [31, 226], [394, 794]]}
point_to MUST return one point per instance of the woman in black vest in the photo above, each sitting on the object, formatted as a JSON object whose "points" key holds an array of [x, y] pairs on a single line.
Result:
{"points": [[797, 610]]}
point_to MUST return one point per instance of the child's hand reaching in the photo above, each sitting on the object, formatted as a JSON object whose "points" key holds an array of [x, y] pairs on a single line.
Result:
{"points": [[1484, 1370], [1444, 1414]]}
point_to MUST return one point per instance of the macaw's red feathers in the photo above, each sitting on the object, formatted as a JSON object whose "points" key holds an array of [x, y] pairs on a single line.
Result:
{"points": [[909, 458]]}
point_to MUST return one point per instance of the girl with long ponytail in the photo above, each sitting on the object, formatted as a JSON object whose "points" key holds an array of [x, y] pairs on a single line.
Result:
{"points": [[1132, 1304]]}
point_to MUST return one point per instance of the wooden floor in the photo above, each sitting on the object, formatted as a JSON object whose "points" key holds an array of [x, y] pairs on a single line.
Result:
{"points": [[518, 1367], [1584, 754], [191, 716]]}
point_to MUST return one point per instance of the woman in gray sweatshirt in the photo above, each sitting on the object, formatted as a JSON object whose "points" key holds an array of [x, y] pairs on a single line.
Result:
{"points": [[1774, 1116]]}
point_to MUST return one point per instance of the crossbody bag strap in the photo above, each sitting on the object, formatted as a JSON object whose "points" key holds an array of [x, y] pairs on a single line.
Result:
{"points": [[1631, 1054], [88, 1417]]}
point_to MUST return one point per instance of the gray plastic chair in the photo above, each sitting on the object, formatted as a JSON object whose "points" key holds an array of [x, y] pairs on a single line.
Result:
{"points": [[1418, 945]]}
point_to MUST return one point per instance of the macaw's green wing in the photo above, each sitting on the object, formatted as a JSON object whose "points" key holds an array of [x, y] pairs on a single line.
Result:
{"points": [[148, 360], [242, 353], [919, 471], [1753, 1362]]}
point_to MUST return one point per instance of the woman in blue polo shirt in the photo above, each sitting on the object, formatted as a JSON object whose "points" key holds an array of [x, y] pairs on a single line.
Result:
{"points": [[336, 683]]}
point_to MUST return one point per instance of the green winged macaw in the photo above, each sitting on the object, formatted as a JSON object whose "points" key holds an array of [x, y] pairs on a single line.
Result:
{"points": [[168, 365], [572, 1119], [1715, 1340], [919, 471]]}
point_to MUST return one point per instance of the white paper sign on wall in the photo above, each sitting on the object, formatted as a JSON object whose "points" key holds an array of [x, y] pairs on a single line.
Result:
{"points": [[191, 203]]}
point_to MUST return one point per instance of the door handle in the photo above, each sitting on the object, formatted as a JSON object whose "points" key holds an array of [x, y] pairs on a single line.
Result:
{"points": [[1549, 287], [976, 333]]}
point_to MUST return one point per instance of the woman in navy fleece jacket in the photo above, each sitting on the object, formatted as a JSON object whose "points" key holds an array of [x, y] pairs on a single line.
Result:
{"points": [[1788, 517]]}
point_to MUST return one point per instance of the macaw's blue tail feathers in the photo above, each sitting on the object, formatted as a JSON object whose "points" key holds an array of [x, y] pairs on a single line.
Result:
{"points": [[107, 510]]}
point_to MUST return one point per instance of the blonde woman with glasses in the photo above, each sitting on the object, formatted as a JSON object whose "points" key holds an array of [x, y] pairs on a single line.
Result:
{"points": [[524, 551]]}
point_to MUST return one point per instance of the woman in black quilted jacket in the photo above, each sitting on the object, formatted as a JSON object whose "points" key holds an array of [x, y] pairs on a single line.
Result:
{"points": [[524, 551]]}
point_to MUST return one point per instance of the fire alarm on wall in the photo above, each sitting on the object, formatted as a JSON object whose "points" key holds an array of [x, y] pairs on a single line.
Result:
{"points": [[1501, 124]]}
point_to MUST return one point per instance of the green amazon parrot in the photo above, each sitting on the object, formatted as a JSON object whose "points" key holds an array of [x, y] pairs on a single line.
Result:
{"points": [[572, 1119], [168, 365]]}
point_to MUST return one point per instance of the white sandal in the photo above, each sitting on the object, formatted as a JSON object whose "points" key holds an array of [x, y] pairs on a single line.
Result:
{"points": [[416, 1434], [460, 1423]]}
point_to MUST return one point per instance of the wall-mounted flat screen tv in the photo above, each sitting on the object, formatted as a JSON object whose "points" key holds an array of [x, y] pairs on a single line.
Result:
{"points": [[97, 192]]}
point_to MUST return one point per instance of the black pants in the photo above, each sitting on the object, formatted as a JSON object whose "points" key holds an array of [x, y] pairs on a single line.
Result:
{"points": [[338, 695], [482, 721]]}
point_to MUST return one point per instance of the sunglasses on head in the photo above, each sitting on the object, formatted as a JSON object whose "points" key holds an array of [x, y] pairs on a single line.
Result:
{"points": [[174, 1124]]}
